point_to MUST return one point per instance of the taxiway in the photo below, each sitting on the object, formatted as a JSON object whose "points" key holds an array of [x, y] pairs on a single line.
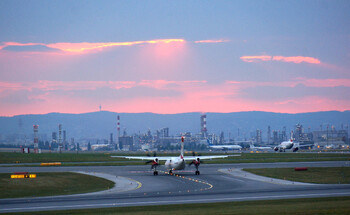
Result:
{"points": [[182, 187]]}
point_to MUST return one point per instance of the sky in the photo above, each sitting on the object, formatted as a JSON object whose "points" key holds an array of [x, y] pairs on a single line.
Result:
{"points": [[174, 56]]}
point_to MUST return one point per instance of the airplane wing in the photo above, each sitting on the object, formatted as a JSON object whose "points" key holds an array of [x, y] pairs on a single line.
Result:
{"points": [[209, 157], [143, 158], [168, 158]]}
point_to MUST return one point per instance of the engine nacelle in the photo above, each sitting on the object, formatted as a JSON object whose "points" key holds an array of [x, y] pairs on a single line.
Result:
{"points": [[155, 162], [276, 149], [196, 162]]}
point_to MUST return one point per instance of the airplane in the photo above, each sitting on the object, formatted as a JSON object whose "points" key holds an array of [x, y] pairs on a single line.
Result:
{"points": [[252, 147], [290, 144], [175, 163], [224, 147], [285, 145]]}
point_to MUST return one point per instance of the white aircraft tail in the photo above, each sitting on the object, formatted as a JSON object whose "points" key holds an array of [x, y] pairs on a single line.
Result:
{"points": [[182, 146], [209, 142]]}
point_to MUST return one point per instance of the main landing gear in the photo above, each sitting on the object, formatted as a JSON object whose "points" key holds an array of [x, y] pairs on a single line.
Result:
{"points": [[155, 164], [196, 163]]}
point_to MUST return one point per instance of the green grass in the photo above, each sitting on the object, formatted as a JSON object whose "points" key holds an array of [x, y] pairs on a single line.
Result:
{"points": [[11, 157], [334, 206], [48, 184], [319, 175]]}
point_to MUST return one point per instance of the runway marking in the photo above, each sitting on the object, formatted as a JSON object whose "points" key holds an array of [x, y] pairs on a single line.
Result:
{"points": [[191, 179], [139, 184], [182, 201]]}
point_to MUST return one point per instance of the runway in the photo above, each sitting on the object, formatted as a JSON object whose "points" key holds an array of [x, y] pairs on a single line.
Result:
{"points": [[186, 187]]}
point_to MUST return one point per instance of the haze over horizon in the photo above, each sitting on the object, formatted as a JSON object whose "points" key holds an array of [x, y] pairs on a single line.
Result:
{"points": [[174, 56]]}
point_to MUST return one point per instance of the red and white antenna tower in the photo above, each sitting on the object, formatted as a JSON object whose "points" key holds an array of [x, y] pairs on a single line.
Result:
{"points": [[118, 132], [36, 139], [204, 125]]}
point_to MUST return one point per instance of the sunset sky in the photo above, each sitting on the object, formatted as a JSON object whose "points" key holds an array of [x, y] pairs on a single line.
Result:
{"points": [[174, 56]]}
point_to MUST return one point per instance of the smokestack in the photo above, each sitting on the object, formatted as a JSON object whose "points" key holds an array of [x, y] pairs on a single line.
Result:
{"points": [[64, 143], [36, 139], [118, 133], [204, 125], [60, 137]]}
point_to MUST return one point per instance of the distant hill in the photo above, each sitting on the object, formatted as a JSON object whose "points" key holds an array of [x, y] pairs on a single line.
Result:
{"points": [[101, 124]]}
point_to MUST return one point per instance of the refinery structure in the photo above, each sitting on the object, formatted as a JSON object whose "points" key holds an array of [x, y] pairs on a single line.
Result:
{"points": [[327, 136]]}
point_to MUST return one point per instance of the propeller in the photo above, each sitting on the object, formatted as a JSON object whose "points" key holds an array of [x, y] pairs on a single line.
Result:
{"points": [[154, 162], [196, 162]]}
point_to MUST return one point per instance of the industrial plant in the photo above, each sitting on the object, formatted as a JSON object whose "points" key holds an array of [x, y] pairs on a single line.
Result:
{"points": [[161, 139]]}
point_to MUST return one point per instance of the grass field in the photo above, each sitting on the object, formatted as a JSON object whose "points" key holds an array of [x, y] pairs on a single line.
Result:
{"points": [[334, 206], [319, 175], [48, 184], [106, 159]]}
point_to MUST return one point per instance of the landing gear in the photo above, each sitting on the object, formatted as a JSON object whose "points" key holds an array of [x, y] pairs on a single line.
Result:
{"points": [[154, 166], [196, 163], [170, 171]]}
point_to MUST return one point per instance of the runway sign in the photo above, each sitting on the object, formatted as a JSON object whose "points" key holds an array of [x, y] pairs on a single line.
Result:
{"points": [[23, 176], [51, 164]]}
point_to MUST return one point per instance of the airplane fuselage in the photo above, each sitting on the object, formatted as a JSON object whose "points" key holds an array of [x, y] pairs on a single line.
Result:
{"points": [[175, 163], [226, 147], [287, 145]]}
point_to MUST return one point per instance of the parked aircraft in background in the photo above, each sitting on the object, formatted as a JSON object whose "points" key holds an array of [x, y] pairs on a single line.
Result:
{"points": [[290, 144], [284, 145], [252, 147], [224, 147]]}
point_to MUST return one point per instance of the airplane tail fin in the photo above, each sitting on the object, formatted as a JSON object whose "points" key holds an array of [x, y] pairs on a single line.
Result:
{"points": [[209, 142], [182, 146]]}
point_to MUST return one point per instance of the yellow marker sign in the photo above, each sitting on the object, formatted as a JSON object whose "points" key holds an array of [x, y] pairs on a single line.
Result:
{"points": [[24, 176], [51, 164]]}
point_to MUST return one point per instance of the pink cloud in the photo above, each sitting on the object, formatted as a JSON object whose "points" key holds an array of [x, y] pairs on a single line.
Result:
{"points": [[194, 95], [46, 85], [297, 59], [83, 47], [292, 83], [251, 59], [161, 84], [86, 47], [293, 59]]}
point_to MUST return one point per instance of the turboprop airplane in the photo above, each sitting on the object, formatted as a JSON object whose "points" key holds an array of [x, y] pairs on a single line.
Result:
{"points": [[175, 163]]}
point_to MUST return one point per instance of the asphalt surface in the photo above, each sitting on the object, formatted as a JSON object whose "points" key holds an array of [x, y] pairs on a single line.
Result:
{"points": [[182, 187]]}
